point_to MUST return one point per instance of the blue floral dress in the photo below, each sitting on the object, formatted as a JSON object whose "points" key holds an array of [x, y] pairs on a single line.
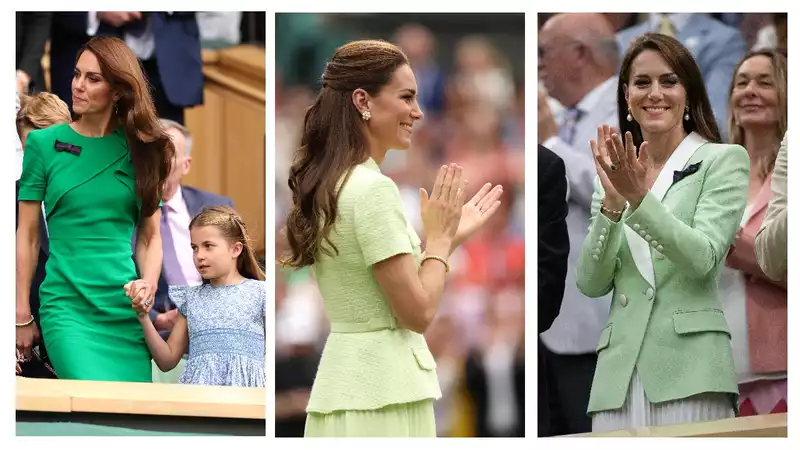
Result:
{"points": [[226, 333]]}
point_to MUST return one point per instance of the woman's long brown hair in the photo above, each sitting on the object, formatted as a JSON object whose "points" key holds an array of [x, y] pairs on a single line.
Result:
{"points": [[233, 228], [151, 149], [333, 142]]}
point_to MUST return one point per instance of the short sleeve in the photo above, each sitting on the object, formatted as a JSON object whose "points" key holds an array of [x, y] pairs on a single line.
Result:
{"points": [[380, 224], [32, 182], [180, 295]]}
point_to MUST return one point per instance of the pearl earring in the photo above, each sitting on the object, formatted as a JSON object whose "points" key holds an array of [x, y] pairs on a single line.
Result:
{"points": [[686, 116], [366, 115], [630, 117]]}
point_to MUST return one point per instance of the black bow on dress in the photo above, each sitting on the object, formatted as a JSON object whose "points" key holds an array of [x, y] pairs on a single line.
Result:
{"points": [[681, 174], [67, 147]]}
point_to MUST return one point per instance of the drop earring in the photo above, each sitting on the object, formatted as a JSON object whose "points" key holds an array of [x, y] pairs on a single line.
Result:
{"points": [[686, 116], [366, 115], [630, 117]]}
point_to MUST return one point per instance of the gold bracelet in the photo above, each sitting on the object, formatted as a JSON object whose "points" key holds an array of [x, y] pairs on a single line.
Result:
{"points": [[440, 259], [26, 323]]}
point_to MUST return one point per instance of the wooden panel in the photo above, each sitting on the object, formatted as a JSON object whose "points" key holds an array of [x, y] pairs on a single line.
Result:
{"points": [[770, 425], [229, 133], [140, 398]]}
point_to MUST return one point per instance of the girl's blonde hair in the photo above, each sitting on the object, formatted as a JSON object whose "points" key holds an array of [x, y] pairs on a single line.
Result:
{"points": [[233, 228], [41, 111]]}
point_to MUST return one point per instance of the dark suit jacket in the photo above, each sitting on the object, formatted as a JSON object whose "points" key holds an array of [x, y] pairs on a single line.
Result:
{"points": [[552, 265], [33, 30], [39, 273], [196, 200], [177, 53]]}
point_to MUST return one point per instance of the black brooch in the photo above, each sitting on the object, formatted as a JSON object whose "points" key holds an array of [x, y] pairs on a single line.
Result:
{"points": [[66, 147], [681, 174]]}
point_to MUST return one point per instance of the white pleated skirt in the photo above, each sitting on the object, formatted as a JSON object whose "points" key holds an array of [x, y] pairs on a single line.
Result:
{"points": [[638, 412]]}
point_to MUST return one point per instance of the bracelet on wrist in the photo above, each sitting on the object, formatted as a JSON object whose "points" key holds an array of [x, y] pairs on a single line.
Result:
{"points": [[25, 324], [440, 259], [604, 208]]}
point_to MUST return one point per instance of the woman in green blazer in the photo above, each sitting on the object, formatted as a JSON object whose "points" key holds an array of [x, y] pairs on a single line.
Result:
{"points": [[100, 178], [664, 213], [377, 376]]}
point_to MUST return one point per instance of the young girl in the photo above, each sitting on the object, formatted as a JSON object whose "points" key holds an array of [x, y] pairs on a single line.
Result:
{"points": [[221, 321]]}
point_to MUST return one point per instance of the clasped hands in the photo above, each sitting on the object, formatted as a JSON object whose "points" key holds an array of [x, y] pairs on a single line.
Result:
{"points": [[622, 173], [142, 293]]}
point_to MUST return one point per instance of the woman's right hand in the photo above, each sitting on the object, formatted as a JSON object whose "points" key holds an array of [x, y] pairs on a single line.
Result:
{"points": [[613, 199], [441, 212]]}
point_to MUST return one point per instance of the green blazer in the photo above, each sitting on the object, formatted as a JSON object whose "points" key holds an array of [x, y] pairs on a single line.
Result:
{"points": [[662, 262]]}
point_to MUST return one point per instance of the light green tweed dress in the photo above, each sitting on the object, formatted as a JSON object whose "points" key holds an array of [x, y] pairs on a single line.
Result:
{"points": [[374, 379]]}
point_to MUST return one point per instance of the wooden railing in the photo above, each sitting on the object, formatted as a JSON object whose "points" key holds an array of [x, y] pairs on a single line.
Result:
{"points": [[769, 425], [71, 396]]}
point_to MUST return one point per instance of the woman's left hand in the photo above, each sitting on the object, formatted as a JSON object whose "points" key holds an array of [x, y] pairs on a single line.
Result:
{"points": [[626, 172], [477, 211], [141, 293]]}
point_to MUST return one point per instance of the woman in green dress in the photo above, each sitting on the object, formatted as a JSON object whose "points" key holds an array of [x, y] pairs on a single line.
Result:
{"points": [[100, 179], [376, 376]]}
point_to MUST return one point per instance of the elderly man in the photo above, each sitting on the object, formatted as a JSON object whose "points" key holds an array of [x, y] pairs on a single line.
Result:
{"points": [[578, 57]]}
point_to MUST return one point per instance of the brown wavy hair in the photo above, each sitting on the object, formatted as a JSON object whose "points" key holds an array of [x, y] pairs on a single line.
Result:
{"points": [[780, 74], [680, 60], [233, 228], [332, 143], [150, 146], [41, 110]]}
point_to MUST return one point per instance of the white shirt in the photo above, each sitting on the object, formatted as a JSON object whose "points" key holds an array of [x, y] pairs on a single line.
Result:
{"points": [[178, 220], [143, 45]]}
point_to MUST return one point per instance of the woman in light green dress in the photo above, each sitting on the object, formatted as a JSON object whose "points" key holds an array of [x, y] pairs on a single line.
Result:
{"points": [[376, 376], [100, 179]]}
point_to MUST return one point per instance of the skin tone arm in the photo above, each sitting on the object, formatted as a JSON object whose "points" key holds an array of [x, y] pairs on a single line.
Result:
{"points": [[167, 354], [149, 256], [27, 258], [414, 295]]}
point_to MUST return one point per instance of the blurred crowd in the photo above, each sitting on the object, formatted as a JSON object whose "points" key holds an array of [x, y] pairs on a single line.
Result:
{"points": [[474, 116], [742, 58]]}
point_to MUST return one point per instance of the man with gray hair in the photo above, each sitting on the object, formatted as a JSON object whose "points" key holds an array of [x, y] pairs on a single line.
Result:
{"points": [[180, 204], [578, 60]]}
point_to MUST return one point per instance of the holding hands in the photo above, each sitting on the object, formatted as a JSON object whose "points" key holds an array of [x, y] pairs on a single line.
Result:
{"points": [[622, 173], [141, 293]]}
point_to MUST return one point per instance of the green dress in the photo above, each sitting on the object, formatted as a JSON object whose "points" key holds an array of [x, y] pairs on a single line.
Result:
{"points": [[90, 329], [375, 378]]}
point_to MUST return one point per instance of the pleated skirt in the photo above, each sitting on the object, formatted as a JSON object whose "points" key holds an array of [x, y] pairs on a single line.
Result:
{"points": [[638, 412], [400, 420]]}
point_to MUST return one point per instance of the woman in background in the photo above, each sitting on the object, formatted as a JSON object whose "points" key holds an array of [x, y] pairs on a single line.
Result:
{"points": [[381, 291], [755, 306], [100, 178]]}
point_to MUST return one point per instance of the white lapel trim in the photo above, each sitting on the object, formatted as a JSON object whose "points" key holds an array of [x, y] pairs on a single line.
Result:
{"points": [[640, 250]]}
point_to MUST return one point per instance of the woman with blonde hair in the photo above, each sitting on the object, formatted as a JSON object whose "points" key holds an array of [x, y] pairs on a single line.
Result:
{"points": [[754, 305], [100, 177]]}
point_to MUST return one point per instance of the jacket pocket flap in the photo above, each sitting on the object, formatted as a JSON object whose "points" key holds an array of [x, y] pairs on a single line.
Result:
{"points": [[687, 322], [605, 338], [424, 358]]}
